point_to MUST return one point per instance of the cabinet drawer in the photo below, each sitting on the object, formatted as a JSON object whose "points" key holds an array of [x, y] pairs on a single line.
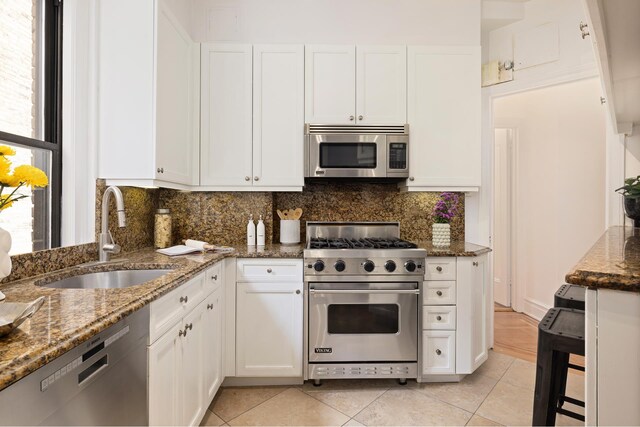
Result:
{"points": [[213, 277], [269, 270], [438, 352], [439, 317], [439, 292], [440, 269], [167, 310]]}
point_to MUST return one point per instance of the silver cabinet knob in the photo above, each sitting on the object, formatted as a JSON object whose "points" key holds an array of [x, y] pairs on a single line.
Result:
{"points": [[438, 269], [246, 178], [297, 291], [475, 264], [438, 318], [160, 170], [256, 178], [351, 118], [411, 178], [439, 293], [269, 270], [214, 277], [438, 352], [182, 333], [188, 326], [209, 306], [184, 299], [360, 117]]}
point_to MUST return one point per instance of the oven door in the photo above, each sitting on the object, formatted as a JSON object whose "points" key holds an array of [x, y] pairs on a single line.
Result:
{"points": [[363, 322], [347, 156]]}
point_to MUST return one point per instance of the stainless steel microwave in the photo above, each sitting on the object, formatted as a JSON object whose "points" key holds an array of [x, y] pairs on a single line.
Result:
{"points": [[356, 151]]}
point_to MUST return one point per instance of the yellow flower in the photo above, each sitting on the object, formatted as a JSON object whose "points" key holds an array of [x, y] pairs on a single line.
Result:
{"points": [[5, 202], [5, 150], [28, 175]]}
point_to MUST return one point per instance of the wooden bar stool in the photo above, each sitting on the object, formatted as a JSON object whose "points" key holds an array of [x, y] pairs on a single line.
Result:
{"points": [[560, 334], [570, 296]]}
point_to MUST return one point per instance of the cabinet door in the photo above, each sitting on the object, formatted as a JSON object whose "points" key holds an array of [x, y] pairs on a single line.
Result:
{"points": [[269, 330], [225, 123], [438, 352], [278, 115], [213, 345], [192, 369], [381, 84], [165, 379], [176, 101], [330, 84], [473, 314], [444, 116]]}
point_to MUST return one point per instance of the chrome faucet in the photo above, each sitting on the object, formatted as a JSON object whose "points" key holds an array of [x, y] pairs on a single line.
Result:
{"points": [[106, 244]]}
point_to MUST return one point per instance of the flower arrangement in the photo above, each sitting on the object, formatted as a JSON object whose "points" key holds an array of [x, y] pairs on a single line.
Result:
{"points": [[23, 175], [446, 208]]}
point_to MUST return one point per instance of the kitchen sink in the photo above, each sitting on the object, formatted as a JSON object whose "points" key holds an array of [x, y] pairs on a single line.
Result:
{"points": [[108, 279]]}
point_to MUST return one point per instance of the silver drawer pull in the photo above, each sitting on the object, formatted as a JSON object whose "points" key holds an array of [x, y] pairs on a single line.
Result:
{"points": [[182, 333], [184, 299], [364, 291], [439, 293], [269, 270], [297, 291], [438, 318], [439, 269], [188, 326], [214, 277], [438, 352], [209, 306]]}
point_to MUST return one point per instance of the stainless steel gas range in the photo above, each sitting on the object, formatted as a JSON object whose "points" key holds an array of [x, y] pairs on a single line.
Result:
{"points": [[362, 290]]}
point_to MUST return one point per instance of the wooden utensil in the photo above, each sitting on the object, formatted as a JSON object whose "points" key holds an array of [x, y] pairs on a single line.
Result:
{"points": [[297, 213], [280, 213], [285, 214]]}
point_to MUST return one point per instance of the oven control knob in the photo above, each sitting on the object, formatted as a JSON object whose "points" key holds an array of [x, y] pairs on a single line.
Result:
{"points": [[390, 266], [368, 266], [318, 266], [410, 266], [340, 265]]}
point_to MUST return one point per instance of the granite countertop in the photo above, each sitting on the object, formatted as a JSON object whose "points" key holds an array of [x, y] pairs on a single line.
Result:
{"points": [[271, 250], [456, 248], [612, 263]]}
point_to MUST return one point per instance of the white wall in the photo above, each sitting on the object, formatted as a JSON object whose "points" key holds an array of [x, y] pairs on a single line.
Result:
{"points": [[448, 22], [560, 174]]}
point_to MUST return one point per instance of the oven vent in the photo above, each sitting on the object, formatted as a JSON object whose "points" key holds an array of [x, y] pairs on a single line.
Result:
{"points": [[352, 129]]}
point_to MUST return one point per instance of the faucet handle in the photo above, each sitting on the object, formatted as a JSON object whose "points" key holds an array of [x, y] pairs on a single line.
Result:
{"points": [[111, 248]]}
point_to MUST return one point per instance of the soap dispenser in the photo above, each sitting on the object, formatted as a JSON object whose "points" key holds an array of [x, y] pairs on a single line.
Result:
{"points": [[260, 233], [251, 232]]}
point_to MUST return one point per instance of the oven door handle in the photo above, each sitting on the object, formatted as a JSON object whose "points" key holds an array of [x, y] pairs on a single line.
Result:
{"points": [[365, 291]]}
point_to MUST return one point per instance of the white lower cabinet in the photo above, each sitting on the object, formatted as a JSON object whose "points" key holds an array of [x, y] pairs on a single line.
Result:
{"points": [[438, 352], [269, 321], [185, 362]]}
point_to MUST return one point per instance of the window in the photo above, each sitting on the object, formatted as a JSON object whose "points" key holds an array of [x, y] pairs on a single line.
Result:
{"points": [[30, 115]]}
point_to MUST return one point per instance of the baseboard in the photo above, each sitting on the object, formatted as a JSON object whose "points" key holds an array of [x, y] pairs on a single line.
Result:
{"points": [[453, 378], [535, 309], [259, 381]]}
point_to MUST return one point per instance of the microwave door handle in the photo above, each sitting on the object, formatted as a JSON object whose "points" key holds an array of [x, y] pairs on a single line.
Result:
{"points": [[365, 291]]}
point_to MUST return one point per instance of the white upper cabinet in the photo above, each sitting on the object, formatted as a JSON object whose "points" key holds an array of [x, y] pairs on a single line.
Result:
{"points": [[278, 115], [148, 95], [330, 84], [226, 105], [355, 84], [252, 117], [381, 84], [444, 117]]}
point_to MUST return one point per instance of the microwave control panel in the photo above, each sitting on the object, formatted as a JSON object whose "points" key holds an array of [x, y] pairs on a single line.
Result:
{"points": [[397, 155]]}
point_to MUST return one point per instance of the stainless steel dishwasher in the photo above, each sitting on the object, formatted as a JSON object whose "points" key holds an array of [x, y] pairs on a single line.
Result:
{"points": [[103, 381]]}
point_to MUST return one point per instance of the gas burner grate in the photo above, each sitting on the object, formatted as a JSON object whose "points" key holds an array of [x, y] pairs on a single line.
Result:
{"points": [[363, 243]]}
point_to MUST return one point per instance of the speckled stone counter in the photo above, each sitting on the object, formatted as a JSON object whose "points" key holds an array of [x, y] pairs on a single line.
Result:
{"points": [[457, 248], [612, 263], [270, 250]]}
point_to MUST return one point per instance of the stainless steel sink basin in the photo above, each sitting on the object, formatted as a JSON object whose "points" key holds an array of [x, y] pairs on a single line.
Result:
{"points": [[108, 279]]}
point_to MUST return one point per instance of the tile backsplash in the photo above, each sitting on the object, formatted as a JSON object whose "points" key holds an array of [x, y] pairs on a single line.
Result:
{"points": [[221, 217]]}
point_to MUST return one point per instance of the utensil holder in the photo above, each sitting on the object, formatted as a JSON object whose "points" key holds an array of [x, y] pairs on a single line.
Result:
{"points": [[289, 231]]}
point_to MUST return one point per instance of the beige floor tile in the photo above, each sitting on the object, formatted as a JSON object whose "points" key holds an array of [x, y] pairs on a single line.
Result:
{"points": [[353, 423], [348, 402], [508, 404], [468, 394], [344, 385], [408, 407], [234, 401], [522, 374], [211, 419], [291, 407], [496, 365], [477, 420]]}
